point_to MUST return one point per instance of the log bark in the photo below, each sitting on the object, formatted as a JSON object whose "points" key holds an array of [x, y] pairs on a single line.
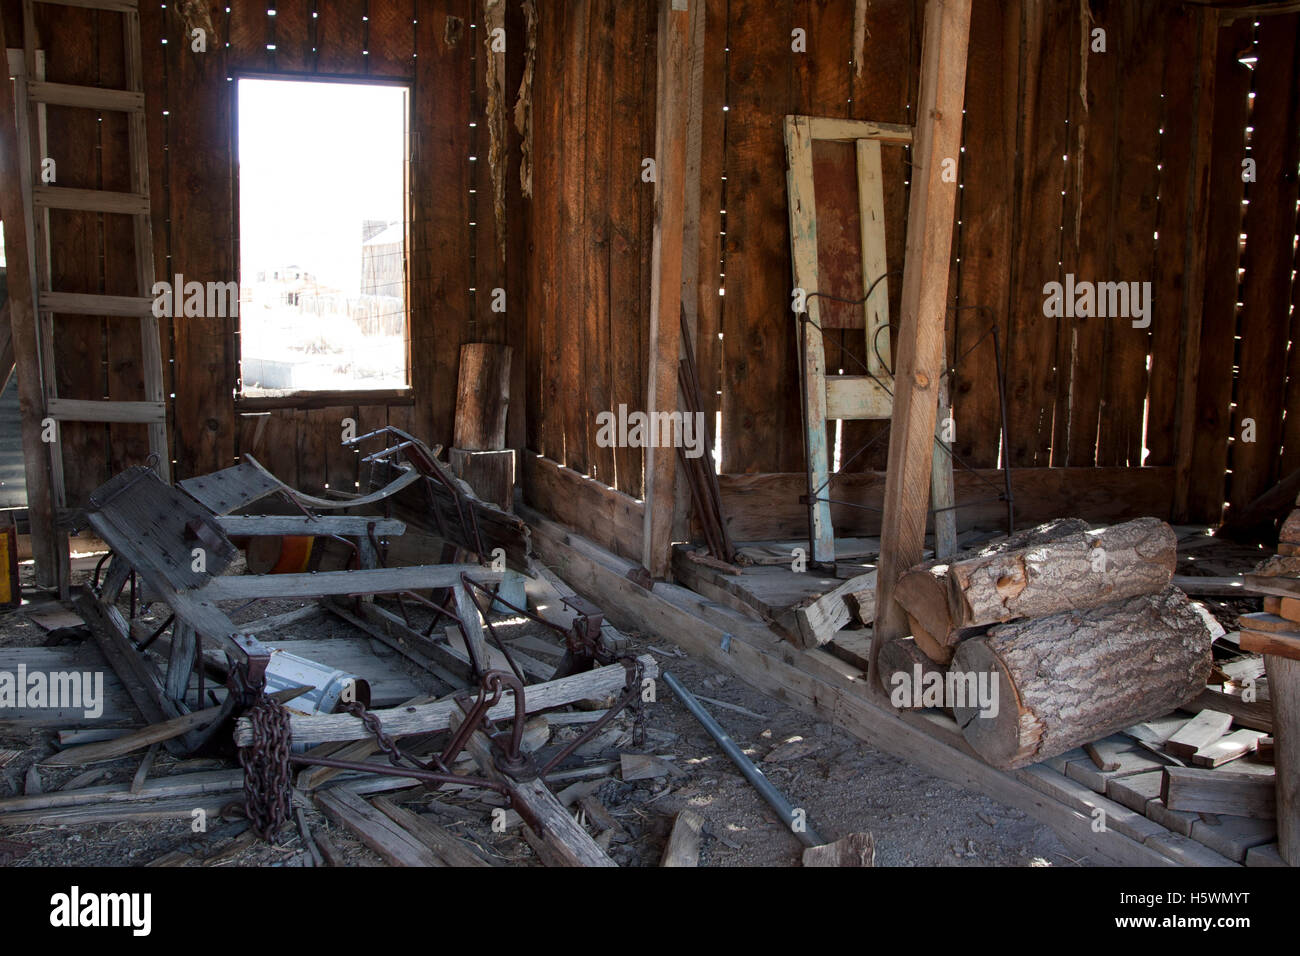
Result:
{"points": [[923, 590], [1078, 676], [1076, 572]]}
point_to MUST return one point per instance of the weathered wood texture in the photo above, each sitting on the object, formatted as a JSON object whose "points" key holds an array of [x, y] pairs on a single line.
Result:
{"points": [[189, 103], [1130, 203], [1076, 572], [1077, 676]]}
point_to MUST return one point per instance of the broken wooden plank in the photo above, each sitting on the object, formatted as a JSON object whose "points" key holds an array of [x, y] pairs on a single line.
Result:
{"points": [[450, 848], [683, 847], [137, 740], [394, 844], [821, 618], [1198, 790]]}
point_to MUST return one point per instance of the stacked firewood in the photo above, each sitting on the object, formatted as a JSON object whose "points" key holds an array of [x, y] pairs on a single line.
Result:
{"points": [[1077, 632]]}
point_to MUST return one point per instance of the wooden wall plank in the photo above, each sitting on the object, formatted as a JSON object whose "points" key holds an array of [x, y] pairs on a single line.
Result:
{"points": [[571, 185], [71, 40], [1175, 224], [761, 424], [1138, 44], [597, 323], [1007, 177], [883, 91], [1267, 261], [708, 305], [629, 256], [1219, 323], [390, 37], [202, 248], [341, 37], [293, 31], [440, 297], [1093, 163]]}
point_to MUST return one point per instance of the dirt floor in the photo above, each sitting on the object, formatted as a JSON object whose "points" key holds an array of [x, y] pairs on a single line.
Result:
{"points": [[844, 785]]}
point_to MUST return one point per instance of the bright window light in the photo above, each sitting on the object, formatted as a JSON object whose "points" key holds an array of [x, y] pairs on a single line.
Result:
{"points": [[322, 236]]}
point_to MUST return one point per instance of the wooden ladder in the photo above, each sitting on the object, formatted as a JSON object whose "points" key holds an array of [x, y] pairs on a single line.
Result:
{"points": [[850, 397], [33, 94]]}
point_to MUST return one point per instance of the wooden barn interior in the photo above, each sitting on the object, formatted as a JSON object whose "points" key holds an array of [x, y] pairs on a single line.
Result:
{"points": [[762, 214]]}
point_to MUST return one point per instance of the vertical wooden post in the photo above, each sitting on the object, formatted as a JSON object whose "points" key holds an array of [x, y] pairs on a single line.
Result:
{"points": [[921, 327], [1284, 689], [31, 401], [671, 108]]}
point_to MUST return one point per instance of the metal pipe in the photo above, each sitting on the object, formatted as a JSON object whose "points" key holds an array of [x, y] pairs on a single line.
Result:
{"points": [[808, 836]]}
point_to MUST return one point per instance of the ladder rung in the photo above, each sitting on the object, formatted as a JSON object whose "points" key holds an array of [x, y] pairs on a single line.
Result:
{"points": [[89, 200], [76, 410], [76, 303], [89, 97], [117, 6]]}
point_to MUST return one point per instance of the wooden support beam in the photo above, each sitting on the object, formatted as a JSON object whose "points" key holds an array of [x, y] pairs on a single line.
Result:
{"points": [[22, 317], [921, 327], [671, 107]]}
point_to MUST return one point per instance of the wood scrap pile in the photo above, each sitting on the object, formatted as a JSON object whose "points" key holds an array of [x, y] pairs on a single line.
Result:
{"points": [[1056, 637]]}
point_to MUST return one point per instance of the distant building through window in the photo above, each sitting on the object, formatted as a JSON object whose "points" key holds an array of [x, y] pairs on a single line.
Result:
{"points": [[323, 236]]}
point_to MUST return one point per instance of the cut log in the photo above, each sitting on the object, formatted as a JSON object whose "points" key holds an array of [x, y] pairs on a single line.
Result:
{"points": [[1196, 790], [1077, 572], [923, 590], [1077, 676]]}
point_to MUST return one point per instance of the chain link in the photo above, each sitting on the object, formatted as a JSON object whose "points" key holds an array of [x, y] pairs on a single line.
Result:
{"points": [[266, 768], [376, 728]]}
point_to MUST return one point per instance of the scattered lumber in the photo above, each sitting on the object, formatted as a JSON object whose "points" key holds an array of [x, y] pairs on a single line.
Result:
{"points": [[1075, 572], [405, 721], [559, 839], [856, 849], [1076, 676], [1201, 731], [683, 847], [102, 800], [451, 849], [394, 844], [1198, 790]]}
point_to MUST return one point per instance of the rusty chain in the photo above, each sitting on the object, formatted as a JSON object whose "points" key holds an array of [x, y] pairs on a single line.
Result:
{"points": [[266, 768]]}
